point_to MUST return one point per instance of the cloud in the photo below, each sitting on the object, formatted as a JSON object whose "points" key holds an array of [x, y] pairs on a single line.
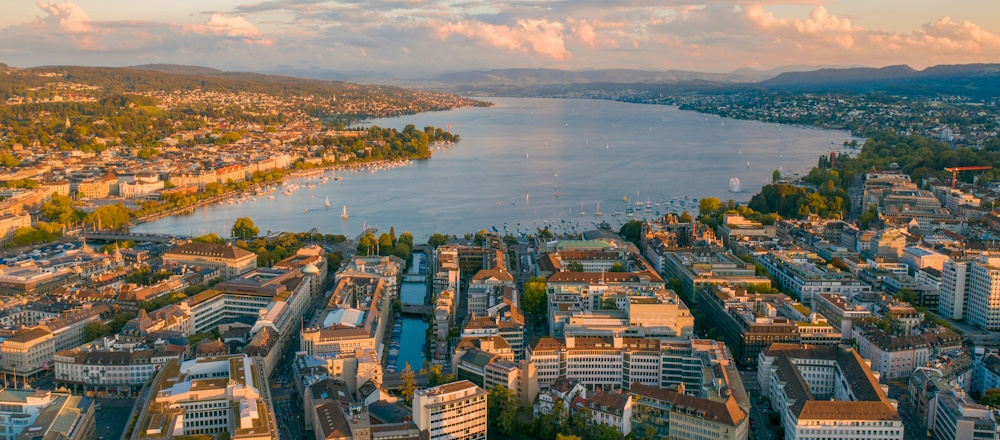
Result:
{"points": [[395, 35], [541, 37], [221, 25]]}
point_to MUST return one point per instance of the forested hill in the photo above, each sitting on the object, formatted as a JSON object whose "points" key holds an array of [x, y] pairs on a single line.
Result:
{"points": [[116, 80]]}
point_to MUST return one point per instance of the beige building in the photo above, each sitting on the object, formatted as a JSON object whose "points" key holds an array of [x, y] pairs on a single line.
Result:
{"points": [[229, 260], [451, 411], [96, 188], [9, 224], [670, 413], [28, 352], [232, 173]]}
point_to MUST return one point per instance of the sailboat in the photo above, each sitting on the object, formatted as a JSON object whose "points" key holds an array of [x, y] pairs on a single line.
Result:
{"points": [[748, 164], [343, 213], [582, 212], [598, 211], [327, 201], [526, 196], [557, 190]]}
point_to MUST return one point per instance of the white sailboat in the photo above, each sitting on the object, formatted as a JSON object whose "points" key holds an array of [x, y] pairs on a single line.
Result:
{"points": [[327, 201], [343, 213], [598, 212]]}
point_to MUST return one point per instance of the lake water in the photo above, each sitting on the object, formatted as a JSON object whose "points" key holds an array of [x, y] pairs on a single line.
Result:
{"points": [[515, 156]]}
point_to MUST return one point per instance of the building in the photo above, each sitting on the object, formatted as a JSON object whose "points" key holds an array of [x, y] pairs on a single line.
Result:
{"points": [[955, 416], [28, 352], [9, 223], [355, 318], [806, 275], [96, 188], [670, 413], [110, 369], [735, 228], [750, 322], [839, 312], [519, 377], [920, 257], [616, 363], [984, 293], [956, 280], [388, 269], [658, 314], [225, 394], [229, 260], [895, 357], [699, 267], [311, 261], [826, 393], [451, 411], [40, 414], [488, 288], [612, 409]]}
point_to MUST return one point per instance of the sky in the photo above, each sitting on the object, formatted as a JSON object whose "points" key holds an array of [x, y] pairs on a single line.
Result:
{"points": [[415, 38]]}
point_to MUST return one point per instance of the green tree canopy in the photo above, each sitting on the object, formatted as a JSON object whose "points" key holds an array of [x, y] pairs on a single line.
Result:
{"points": [[244, 228]]}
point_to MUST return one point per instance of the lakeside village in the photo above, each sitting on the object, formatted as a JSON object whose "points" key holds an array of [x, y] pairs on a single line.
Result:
{"points": [[807, 328]]}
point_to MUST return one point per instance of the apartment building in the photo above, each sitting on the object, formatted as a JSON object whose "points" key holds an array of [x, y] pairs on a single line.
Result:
{"points": [[735, 228], [229, 260], [388, 269], [612, 409], [806, 275], [894, 357], [826, 392], [487, 288], [670, 413], [451, 411], [650, 314], [9, 223]]}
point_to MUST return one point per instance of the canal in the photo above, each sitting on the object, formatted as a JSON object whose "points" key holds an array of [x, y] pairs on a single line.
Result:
{"points": [[413, 338]]}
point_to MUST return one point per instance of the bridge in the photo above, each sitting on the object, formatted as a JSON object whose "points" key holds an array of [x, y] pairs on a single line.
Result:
{"points": [[415, 278], [417, 310], [394, 381], [136, 237]]}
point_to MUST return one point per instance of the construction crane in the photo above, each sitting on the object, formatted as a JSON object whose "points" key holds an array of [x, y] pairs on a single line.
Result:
{"points": [[954, 171]]}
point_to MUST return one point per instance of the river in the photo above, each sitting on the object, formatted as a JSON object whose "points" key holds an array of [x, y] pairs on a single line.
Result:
{"points": [[515, 157], [411, 349]]}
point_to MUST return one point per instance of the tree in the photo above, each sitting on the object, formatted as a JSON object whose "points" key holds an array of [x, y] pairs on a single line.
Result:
{"points": [[535, 296], [384, 244], [437, 240], [574, 266], [406, 238], [62, 210], [685, 217], [244, 228], [409, 383], [401, 250], [631, 231], [501, 409], [617, 267], [709, 206], [775, 176], [8, 160], [109, 216], [907, 295], [94, 330], [211, 238], [991, 398]]}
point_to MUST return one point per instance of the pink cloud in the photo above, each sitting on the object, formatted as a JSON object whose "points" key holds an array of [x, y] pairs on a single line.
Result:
{"points": [[71, 17], [542, 37]]}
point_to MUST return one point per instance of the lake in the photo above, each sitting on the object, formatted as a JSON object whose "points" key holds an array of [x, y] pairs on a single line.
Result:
{"points": [[516, 156]]}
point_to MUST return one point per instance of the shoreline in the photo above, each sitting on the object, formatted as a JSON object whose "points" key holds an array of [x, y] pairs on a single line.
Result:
{"points": [[252, 190]]}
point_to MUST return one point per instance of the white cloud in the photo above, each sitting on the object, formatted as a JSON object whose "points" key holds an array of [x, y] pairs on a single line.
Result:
{"points": [[541, 37]]}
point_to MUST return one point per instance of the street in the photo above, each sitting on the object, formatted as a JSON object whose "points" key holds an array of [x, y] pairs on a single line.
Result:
{"points": [[112, 419], [760, 426]]}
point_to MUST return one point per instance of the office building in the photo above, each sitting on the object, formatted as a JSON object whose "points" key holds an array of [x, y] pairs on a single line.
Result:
{"points": [[451, 411]]}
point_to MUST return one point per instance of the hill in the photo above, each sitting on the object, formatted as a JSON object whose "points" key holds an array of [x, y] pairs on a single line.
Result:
{"points": [[976, 80]]}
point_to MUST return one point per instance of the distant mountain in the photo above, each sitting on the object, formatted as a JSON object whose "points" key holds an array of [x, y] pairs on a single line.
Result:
{"points": [[964, 79], [178, 68], [328, 75], [527, 77]]}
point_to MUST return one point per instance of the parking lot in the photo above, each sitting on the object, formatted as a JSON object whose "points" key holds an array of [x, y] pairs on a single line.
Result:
{"points": [[112, 419]]}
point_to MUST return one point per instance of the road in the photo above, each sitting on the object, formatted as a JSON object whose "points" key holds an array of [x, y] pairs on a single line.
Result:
{"points": [[911, 421], [760, 426], [112, 419]]}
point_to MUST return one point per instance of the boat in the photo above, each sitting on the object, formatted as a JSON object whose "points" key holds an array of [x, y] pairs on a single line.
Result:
{"points": [[327, 201], [748, 164], [305, 211], [343, 213], [270, 197], [598, 211]]}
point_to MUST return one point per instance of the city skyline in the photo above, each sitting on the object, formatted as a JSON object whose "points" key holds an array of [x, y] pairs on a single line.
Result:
{"points": [[409, 39]]}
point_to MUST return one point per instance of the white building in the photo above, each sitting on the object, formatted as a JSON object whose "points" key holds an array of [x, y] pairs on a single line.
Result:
{"points": [[956, 279], [452, 411], [955, 416], [826, 393], [984, 293]]}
